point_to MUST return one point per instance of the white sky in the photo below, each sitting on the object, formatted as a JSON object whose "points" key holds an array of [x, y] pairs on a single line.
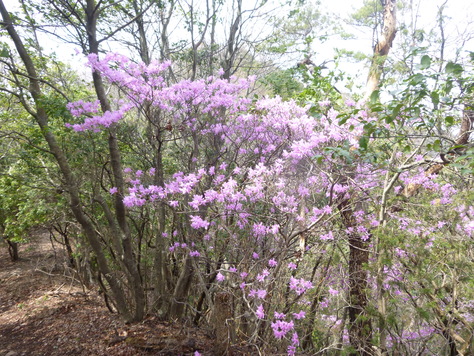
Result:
{"points": [[460, 12]]}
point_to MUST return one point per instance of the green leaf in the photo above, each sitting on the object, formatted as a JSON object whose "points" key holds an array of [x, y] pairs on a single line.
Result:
{"points": [[396, 110], [415, 79], [343, 119], [363, 142], [4, 53], [369, 128], [377, 108], [374, 97], [319, 159], [449, 120], [453, 68], [435, 98], [425, 62]]}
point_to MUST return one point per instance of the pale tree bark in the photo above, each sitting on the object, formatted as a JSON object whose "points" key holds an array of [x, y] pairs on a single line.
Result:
{"points": [[382, 48]]}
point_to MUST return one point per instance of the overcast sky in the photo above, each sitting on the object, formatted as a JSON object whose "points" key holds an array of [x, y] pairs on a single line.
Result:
{"points": [[460, 15]]}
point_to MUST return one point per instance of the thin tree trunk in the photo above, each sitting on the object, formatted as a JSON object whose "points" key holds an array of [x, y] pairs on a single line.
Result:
{"points": [[129, 260], [381, 50], [360, 327], [159, 260], [181, 290], [232, 44], [382, 47], [13, 250], [71, 186]]}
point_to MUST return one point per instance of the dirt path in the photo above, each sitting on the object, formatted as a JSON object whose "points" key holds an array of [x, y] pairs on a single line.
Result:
{"points": [[43, 311]]}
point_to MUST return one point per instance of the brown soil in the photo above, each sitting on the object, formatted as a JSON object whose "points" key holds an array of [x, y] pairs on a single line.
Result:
{"points": [[45, 311]]}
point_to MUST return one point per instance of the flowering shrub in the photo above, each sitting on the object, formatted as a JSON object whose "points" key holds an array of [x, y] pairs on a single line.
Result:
{"points": [[264, 187]]}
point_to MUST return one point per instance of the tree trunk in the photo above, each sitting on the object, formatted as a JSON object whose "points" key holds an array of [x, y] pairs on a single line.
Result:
{"points": [[160, 267], [223, 322], [382, 47], [128, 259], [13, 250], [360, 327], [232, 42], [76, 205], [381, 50], [181, 290]]}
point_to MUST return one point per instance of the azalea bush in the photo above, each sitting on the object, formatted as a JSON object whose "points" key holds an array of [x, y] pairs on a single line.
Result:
{"points": [[259, 199]]}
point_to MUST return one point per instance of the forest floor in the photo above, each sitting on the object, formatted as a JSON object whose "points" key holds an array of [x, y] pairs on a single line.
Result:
{"points": [[45, 311]]}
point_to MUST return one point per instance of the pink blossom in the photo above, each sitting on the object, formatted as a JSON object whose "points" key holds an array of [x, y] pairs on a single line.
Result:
{"points": [[261, 276], [198, 200], [132, 200], [281, 328], [299, 315], [299, 285], [295, 339], [113, 190], [272, 263], [292, 265], [291, 350], [328, 236], [220, 277], [279, 315], [197, 222], [259, 230], [260, 312], [350, 102], [274, 229]]}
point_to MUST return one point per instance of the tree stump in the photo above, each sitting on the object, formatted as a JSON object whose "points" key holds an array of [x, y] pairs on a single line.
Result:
{"points": [[223, 322]]}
